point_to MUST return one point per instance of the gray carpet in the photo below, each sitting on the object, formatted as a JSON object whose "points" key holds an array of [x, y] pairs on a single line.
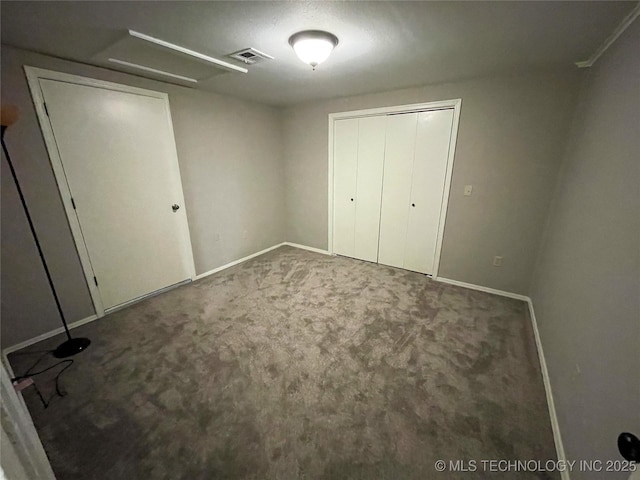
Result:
{"points": [[296, 365]]}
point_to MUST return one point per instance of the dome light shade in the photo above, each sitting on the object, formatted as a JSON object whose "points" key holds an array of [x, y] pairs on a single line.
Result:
{"points": [[313, 46]]}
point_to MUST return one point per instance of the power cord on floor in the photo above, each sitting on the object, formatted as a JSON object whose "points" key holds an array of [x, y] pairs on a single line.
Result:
{"points": [[30, 373]]}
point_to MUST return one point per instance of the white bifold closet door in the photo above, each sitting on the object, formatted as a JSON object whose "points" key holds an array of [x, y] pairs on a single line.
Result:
{"points": [[358, 166], [119, 160], [416, 154]]}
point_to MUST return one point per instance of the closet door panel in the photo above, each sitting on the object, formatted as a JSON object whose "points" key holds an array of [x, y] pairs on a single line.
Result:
{"points": [[427, 188], [371, 141], [396, 187], [345, 154]]}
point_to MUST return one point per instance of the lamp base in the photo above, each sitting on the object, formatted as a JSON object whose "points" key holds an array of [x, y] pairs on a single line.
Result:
{"points": [[71, 347]]}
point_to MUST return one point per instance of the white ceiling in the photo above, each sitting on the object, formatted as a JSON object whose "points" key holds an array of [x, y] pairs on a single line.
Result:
{"points": [[383, 45]]}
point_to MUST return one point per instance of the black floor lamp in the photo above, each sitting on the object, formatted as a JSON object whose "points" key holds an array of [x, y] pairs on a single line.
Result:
{"points": [[72, 345]]}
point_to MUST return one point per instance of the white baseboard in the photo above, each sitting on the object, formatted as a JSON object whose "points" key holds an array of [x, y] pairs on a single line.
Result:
{"points": [[480, 288], [236, 262], [44, 336], [257, 254], [91, 318], [555, 426], [304, 247]]}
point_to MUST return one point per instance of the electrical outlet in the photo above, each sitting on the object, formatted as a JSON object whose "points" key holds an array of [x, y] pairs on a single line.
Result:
{"points": [[497, 261], [467, 190]]}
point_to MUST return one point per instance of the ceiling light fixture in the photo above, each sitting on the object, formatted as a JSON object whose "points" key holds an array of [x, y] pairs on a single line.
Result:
{"points": [[313, 46]]}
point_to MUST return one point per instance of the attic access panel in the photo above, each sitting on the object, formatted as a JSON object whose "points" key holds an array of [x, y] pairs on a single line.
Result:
{"points": [[151, 57]]}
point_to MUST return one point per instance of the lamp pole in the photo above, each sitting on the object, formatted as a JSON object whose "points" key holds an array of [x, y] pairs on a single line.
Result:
{"points": [[72, 345]]}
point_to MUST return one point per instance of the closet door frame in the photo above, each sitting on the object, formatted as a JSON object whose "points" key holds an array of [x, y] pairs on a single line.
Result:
{"points": [[34, 75], [455, 104]]}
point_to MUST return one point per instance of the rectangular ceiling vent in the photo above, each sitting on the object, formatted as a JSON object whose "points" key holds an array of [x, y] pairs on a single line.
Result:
{"points": [[250, 56]]}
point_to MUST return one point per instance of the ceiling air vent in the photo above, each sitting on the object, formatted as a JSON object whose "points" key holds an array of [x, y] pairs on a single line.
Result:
{"points": [[250, 56]]}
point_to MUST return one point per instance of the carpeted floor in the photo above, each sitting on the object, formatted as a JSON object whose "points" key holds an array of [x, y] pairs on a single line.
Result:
{"points": [[296, 365]]}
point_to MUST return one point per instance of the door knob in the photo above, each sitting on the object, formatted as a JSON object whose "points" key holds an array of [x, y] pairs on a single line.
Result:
{"points": [[175, 207], [352, 199], [413, 204], [629, 447]]}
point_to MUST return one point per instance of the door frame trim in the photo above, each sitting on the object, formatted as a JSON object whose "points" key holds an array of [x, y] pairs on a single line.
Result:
{"points": [[34, 75], [456, 105]]}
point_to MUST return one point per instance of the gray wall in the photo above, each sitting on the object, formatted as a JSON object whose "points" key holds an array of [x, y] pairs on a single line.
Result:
{"points": [[510, 142], [586, 288], [233, 187]]}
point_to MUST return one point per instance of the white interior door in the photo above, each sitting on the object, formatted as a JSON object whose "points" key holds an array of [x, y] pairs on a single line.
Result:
{"points": [[345, 148], [119, 160], [371, 141], [396, 187], [427, 188]]}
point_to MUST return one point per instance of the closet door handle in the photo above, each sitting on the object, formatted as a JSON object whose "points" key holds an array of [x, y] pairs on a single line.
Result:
{"points": [[352, 199], [413, 204], [175, 207]]}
